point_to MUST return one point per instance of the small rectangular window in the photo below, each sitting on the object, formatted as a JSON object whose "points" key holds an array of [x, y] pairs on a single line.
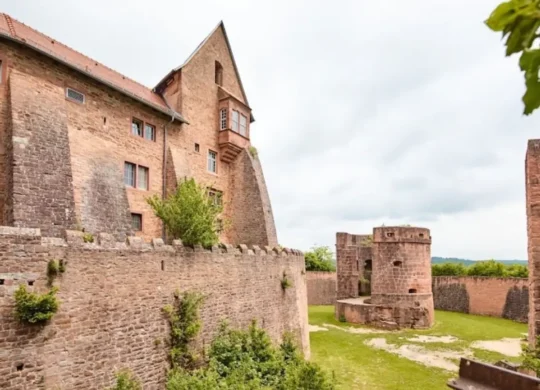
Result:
{"points": [[234, 121], [1, 69], [223, 119], [136, 222], [137, 127], [197, 148], [243, 125], [142, 178], [149, 132], [71, 94], [129, 174], [215, 196], [212, 161]]}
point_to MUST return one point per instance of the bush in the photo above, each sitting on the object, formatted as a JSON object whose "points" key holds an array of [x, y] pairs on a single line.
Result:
{"points": [[248, 360], [448, 269], [126, 381], [320, 258], [490, 268], [35, 308], [531, 357], [189, 214], [185, 324]]}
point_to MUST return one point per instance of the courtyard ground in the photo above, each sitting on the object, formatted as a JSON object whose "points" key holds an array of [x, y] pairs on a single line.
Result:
{"points": [[364, 358]]}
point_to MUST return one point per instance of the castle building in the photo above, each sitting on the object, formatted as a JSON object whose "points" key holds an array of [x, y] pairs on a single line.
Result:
{"points": [[82, 146]]}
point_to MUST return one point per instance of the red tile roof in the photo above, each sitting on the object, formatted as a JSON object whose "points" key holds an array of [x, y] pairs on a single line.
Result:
{"points": [[19, 32]]}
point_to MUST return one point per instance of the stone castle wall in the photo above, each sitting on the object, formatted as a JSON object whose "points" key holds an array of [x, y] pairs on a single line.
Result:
{"points": [[111, 299], [496, 297], [321, 288], [532, 191]]}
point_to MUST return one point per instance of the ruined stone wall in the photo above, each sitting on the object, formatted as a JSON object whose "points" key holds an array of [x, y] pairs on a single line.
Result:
{"points": [[111, 299], [496, 297], [321, 288], [532, 191]]}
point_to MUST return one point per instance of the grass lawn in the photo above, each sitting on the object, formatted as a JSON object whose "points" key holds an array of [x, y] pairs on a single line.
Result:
{"points": [[359, 366]]}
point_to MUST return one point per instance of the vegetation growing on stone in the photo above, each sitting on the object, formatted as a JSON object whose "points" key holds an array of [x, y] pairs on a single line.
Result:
{"points": [[531, 357], [125, 380], [519, 20], [189, 214], [489, 268], [320, 258], [285, 282], [88, 237], [33, 307], [185, 324], [253, 151], [54, 268], [247, 359]]}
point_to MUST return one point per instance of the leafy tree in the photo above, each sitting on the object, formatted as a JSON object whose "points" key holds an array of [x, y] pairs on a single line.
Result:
{"points": [[320, 258], [519, 20], [189, 214], [517, 271], [448, 269], [486, 268]]}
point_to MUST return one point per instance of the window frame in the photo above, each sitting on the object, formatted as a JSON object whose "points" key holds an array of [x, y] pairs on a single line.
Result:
{"points": [[237, 121], [242, 116], [143, 129], [146, 124], [217, 194], [136, 176], [210, 151], [218, 73], [66, 91], [223, 120], [140, 224]]}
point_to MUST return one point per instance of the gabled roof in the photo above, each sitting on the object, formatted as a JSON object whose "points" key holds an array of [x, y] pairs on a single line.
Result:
{"points": [[16, 31], [222, 26]]}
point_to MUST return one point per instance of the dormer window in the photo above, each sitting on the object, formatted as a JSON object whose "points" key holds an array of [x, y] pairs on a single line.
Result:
{"points": [[235, 116], [218, 74], [223, 119]]}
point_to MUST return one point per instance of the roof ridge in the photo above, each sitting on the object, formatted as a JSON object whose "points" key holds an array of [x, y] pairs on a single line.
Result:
{"points": [[54, 41]]}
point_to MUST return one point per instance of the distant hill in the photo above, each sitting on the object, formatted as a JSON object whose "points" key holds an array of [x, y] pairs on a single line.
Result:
{"points": [[440, 260]]}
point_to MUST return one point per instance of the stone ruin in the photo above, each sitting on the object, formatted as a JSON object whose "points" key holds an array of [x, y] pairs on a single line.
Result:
{"points": [[384, 279]]}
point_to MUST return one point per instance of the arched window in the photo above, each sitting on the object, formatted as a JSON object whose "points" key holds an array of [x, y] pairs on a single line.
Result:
{"points": [[219, 74]]}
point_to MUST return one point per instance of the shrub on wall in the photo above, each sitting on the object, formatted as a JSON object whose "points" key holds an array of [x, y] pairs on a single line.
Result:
{"points": [[126, 381], [247, 359], [320, 258], [189, 214], [35, 308], [490, 268]]}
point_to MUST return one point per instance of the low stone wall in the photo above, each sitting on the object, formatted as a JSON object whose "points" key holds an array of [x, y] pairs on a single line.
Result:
{"points": [[321, 288], [111, 298], [497, 297]]}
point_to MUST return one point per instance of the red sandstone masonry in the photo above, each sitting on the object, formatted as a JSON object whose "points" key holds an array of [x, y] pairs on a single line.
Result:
{"points": [[111, 298], [532, 190], [321, 288], [496, 297]]}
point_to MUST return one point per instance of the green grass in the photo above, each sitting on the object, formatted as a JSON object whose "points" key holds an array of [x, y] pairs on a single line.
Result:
{"points": [[357, 366]]}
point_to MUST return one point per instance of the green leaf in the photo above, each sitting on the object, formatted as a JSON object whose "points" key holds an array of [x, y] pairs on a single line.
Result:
{"points": [[501, 16]]}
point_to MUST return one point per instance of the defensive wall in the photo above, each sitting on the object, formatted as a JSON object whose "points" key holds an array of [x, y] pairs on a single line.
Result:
{"points": [[495, 297], [111, 298]]}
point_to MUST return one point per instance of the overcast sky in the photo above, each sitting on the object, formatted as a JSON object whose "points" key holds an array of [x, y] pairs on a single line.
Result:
{"points": [[368, 112]]}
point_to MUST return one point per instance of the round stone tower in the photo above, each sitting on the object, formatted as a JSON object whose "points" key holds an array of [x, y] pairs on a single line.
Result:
{"points": [[401, 276]]}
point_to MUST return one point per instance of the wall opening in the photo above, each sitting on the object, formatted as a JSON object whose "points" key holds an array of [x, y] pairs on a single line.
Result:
{"points": [[421, 235], [163, 265], [1, 281], [412, 291], [367, 264], [30, 282], [20, 366], [398, 263], [389, 234], [219, 74]]}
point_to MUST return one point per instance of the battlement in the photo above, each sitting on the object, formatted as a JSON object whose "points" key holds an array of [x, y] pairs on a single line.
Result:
{"points": [[106, 241], [347, 239], [385, 234]]}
